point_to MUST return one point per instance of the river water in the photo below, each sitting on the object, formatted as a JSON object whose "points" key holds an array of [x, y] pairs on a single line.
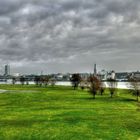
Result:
{"points": [[121, 85]]}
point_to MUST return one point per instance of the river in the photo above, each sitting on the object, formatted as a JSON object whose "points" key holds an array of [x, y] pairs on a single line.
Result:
{"points": [[121, 85]]}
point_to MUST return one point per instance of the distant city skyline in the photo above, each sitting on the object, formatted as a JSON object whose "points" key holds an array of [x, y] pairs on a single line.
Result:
{"points": [[60, 36], [6, 70]]}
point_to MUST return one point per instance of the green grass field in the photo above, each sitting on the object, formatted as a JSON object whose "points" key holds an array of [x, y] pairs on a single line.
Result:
{"points": [[60, 113]]}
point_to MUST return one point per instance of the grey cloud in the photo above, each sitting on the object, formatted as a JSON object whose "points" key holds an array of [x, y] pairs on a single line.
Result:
{"points": [[58, 34]]}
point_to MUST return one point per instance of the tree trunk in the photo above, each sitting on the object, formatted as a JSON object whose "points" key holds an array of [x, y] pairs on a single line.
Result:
{"points": [[93, 96], [111, 94], [101, 93], [137, 97]]}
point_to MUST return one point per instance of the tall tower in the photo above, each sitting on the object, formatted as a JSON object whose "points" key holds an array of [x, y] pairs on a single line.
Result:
{"points": [[95, 70], [7, 70]]}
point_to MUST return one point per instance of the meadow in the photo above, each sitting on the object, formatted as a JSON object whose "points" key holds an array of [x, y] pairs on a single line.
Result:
{"points": [[60, 113]]}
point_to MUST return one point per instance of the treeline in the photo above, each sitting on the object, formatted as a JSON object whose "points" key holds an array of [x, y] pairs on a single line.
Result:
{"points": [[38, 80], [93, 84]]}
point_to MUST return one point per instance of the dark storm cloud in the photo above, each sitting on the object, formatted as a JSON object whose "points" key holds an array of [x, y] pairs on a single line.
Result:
{"points": [[69, 35]]}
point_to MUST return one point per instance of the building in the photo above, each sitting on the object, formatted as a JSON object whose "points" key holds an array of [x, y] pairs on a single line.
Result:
{"points": [[122, 76], [135, 75], [95, 70], [103, 75], [113, 75], [7, 70]]}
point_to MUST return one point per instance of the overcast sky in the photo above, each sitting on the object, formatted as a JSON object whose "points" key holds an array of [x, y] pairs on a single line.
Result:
{"points": [[69, 35]]}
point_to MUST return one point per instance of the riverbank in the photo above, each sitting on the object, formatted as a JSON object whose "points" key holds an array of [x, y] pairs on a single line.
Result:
{"points": [[120, 85]]}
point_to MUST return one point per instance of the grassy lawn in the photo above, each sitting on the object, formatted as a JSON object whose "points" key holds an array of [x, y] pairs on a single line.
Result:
{"points": [[60, 113]]}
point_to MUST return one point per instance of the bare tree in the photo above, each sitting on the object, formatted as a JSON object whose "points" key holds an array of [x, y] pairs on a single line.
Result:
{"points": [[41, 80], [13, 80], [112, 83], [22, 80], [75, 80], [37, 80], [52, 81], [45, 80], [102, 87], [83, 83], [134, 87], [95, 84], [27, 81]]}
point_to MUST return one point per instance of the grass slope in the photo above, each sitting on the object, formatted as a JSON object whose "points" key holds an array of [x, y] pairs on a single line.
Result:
{"points": [[60, 113]]}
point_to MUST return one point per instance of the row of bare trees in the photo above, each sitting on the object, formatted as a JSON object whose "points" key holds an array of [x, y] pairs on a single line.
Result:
{"points": [[39, 80], [44, 80], [134, 86], [92, 83], [95, 85], [22, 80]]}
